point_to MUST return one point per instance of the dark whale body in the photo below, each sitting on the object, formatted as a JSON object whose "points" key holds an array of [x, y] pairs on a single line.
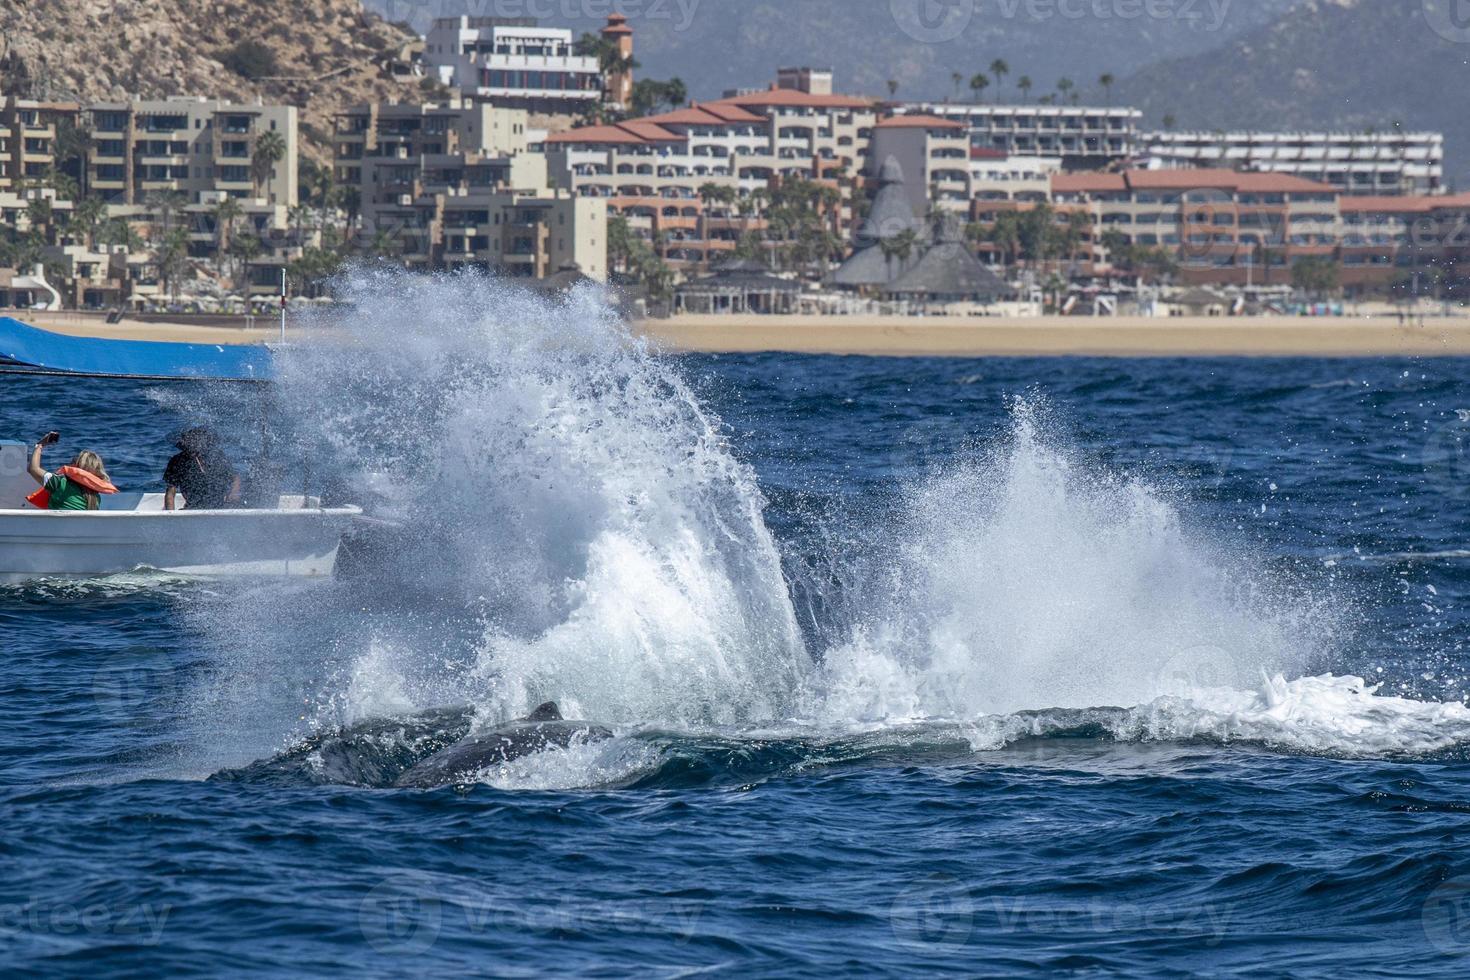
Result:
{"points": [[543, 729]]}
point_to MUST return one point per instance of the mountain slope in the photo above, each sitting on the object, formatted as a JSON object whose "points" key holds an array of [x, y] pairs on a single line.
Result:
{"points": [[718, 44], [1329, 64], [327, 53]]}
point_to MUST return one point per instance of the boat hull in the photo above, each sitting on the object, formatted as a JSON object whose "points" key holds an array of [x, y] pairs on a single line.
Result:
{"points": [[247, 543]]}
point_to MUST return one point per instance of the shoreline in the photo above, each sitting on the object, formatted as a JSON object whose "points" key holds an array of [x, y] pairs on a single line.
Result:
{"points": [[1274, 336], [1206, 337]]}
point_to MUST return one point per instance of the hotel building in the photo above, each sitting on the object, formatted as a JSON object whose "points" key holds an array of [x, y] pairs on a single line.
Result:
{"points": [[515, 63], [1354, 163], [200, 148], [459, 185], [28, 137], [1084, 137], [651, 170]]}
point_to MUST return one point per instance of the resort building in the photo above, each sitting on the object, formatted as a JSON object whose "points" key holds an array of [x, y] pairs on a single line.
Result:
{"points": [[1355, 163], [653, 171], [1084, 137], [203, 149], [1224, 225], [458, 185], [934, 155], [516, 63], [28, 137]]}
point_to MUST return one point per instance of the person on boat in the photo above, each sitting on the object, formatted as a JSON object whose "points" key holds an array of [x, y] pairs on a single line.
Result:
{"points": [[75, 487], [202, 473]]}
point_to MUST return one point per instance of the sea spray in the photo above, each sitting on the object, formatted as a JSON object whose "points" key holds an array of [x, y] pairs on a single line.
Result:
{"points": [[562, 480], [1022, 579]]}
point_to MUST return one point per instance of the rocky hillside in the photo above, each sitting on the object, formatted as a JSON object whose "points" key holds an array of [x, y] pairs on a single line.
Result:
{"points": [[1330, 64], [318, 55]]}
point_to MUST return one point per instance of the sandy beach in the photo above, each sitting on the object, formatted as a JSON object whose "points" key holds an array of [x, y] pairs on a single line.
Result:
{"points": [[1060, 336], [941, 336]]}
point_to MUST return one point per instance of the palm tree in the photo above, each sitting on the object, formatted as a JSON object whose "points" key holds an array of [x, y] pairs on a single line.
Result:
{"points": [[957, 79], [892, 88], [1106, 81], [269, 149], [1025, 84], [225, 213], [1170, 121], [119, 232], [1000, 70], [1064, 86], [978, 84], [86, 218]]}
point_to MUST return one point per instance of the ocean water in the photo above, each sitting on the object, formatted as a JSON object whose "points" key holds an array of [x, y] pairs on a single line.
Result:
{"points": [[986, 667]]}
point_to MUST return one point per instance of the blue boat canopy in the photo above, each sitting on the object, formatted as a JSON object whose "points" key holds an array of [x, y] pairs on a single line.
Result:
{"points": [[27, 348]]}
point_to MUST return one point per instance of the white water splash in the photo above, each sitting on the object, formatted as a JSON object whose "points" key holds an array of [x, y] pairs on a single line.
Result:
{"points": [[567, 482], [1026, 581], [565, 479]]}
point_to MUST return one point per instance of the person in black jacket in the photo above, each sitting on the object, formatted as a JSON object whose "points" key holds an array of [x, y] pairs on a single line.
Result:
{"points": [[202, 473]]}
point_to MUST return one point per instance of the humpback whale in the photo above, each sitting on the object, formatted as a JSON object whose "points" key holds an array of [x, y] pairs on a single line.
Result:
{"points": [[543, 729]]}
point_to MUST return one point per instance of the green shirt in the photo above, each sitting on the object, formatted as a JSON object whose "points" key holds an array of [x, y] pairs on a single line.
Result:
{"points": [[65, 495]]}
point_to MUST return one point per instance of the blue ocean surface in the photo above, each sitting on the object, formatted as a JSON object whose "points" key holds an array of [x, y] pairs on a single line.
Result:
{"points": [[914, 667]]}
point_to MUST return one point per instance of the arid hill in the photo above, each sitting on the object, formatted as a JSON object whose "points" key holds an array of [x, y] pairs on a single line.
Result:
{"points": [[318, 55]]}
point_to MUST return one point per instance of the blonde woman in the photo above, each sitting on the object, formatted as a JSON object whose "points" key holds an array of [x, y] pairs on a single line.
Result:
{"points": [[75, 487]]}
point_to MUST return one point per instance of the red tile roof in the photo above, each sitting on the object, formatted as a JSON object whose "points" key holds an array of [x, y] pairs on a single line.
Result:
{"points": [[596, 134], [918, 122], [704, 114], [1087, 183], [1234, 180], [1386, 205]]}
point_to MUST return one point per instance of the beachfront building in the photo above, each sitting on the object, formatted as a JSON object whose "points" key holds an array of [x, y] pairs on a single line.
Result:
{"points": [[934, 155], [28, 130], [514, 62], [657, 172], [1367, 163], [1224, 226], [1083, 137], [997, 176], [201, 149], [459, 185]]}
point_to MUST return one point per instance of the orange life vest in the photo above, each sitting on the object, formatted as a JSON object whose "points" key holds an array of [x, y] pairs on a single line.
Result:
{"points": [[87, 481]]}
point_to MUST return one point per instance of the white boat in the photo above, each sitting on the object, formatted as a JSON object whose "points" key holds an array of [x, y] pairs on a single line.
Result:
{"points": [[132, 531]]}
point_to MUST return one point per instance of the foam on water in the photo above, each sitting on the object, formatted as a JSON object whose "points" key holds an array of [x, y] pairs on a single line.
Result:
{"points": [[563, 482]]}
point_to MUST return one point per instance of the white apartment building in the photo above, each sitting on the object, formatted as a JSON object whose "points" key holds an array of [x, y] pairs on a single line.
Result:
{"points": [[1354, 163], [994, 176], [513, 62], [1084, 137], [651, 170]]}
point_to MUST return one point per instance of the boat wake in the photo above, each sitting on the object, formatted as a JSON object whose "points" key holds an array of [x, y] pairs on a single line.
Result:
{"points": [[577, 529]]}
